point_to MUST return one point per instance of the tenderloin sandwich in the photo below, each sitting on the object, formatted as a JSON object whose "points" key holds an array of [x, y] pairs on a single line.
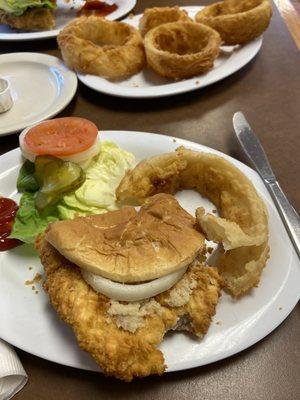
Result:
{"points": [[124, 278]]}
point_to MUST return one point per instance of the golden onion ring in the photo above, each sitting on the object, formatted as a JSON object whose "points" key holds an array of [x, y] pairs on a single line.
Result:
{"points": [[156, 16], [229, 233], [237, 21], [232, 193], [97, 46], [181, 50]]}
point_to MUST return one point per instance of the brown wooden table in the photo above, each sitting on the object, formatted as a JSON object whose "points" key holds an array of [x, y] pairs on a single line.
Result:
{"points": [[268, 91]]}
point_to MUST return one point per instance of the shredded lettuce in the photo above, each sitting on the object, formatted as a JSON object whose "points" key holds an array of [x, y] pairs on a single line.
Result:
{"points": [[97, 194], [18, 7]]}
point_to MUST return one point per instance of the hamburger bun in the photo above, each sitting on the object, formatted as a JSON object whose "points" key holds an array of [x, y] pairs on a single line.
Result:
{"points": [[130, 246]]}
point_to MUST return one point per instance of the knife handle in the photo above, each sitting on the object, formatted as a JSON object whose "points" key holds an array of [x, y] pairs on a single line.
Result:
{"points": [[289, 215]]}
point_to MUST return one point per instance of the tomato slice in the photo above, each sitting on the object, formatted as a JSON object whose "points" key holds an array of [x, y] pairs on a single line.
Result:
{"points": [[61, 136]]}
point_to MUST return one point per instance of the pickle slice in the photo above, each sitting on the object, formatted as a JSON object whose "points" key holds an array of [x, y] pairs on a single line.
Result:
{"points": [[55, 177], [40, 163], [61, 178], [42, 200]]}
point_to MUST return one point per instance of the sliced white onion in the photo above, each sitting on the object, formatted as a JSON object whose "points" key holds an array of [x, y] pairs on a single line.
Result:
{"points": [[79, 158], [129, 292]]}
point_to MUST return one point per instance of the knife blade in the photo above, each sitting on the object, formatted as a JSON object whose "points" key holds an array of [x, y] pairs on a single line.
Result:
{"points": [[256, 154]]}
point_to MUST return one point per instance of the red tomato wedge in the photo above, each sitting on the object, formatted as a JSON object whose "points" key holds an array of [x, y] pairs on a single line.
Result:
{"points": [[61, 136]]}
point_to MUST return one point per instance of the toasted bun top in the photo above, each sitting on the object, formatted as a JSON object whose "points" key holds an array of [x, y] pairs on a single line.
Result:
{"points": [[130, 246]]}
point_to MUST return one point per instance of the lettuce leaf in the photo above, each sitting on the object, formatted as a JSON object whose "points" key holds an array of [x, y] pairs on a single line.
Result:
{"points": [[29, 222], [18, 7]]}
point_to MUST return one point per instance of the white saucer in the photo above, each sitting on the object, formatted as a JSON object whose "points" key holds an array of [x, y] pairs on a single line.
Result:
{"points": [[65, 12], [41, 87]]}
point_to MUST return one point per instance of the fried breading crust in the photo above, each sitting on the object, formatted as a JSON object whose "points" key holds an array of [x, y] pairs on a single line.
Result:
{"points": [[121, 353], [156, 16], [97, 46], [237, 21], [36, 19], [180, 50]]}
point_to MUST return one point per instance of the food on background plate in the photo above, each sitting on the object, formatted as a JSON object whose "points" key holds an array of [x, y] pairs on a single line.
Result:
{"points": [[28, 15], [181, 50], [67, 174], [129, 247], [231, 192], [97, 8], [94, 45], [176, 47], [152, 17], [237, 21]]}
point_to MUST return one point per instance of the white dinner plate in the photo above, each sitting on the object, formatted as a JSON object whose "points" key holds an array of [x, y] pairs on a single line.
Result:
{"points": [[148, 84], [28, 321], [65, 12], [41, 87]]}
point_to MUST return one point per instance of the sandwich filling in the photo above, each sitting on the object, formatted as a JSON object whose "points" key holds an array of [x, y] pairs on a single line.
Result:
{"points": [[132, 292], [129, 246], [128, 255], [16, 8]]}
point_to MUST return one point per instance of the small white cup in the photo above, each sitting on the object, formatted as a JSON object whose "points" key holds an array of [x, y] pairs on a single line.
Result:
{"points": [[6, 101]]}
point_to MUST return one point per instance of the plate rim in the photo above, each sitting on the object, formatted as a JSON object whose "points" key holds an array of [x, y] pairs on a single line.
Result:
{"points": [[294, 272], [50, 34], [165, 90], [65, 97]]}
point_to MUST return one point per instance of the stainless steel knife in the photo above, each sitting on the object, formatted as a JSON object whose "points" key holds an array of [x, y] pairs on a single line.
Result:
{"points": [[257, 156]]}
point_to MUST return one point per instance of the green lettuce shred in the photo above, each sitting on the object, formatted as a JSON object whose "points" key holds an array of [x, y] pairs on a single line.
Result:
{"points": [[29, 223], [97, 194]]}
